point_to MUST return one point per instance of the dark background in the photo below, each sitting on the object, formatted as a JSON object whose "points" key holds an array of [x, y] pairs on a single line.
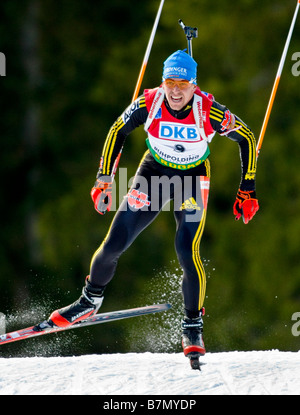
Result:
{"points": [[71, 69]]}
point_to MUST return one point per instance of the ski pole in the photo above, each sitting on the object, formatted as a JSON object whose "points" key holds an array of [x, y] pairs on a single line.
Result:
{"points": [[142, 72], [276, 83], [190, 32], [147, 53], [102, 204]]}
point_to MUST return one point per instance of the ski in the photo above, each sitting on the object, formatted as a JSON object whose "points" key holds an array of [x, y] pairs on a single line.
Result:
{"points": [[195, 362], [45, 328]]}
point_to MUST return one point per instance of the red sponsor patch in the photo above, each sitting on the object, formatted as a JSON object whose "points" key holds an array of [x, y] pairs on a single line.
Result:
{"points": [[228, 121], [205, 184], [137, 199]]}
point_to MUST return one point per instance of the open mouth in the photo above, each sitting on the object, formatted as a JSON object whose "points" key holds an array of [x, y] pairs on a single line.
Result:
{"points": [[176, 100]]}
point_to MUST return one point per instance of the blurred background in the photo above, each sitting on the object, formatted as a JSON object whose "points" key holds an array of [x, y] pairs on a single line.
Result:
{"points": [[71, 69]]}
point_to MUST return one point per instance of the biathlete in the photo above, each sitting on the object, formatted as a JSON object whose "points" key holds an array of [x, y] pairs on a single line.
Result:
{"points": [[180, 121]]}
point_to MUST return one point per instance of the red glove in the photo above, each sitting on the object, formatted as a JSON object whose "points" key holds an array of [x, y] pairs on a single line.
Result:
{"points": [[101, 194], [245, 205]]}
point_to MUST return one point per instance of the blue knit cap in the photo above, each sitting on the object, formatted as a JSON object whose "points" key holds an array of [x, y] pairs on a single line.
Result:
{"points": [[180, 65]]}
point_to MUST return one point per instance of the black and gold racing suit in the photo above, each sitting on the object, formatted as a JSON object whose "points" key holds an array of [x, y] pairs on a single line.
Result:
{"points": [[154, 185]]}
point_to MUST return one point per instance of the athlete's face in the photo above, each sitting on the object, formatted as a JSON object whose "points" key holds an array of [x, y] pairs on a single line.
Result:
{"points": [[178, 92]]}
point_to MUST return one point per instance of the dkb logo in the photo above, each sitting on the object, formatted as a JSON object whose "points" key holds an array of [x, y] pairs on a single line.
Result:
{"points": [[178, 132], [2, 64]]}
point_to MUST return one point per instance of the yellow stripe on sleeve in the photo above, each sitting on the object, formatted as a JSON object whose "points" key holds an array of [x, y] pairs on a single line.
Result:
{"points": [[109, 145], [245, 132]]}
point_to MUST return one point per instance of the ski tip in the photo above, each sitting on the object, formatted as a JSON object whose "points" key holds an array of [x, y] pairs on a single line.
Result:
{"points": [[162, 306]]}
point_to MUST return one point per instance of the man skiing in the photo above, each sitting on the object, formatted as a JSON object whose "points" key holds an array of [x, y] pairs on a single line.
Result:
{"points": [[180, 121]]}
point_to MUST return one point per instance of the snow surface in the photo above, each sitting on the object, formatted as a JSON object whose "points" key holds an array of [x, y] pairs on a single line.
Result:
{"points": [[232, 373], [228, 373]]}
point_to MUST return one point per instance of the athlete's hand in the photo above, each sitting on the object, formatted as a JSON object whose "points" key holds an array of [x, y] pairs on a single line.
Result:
{"points": [[245, 205], [101, 194]]}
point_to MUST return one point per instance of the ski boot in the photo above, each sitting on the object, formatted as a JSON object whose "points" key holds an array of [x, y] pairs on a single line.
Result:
{"points": [[192, 341], [88, 304]]}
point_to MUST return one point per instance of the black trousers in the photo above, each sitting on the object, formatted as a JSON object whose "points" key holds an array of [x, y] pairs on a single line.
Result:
{"points": [[155, 185]]}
